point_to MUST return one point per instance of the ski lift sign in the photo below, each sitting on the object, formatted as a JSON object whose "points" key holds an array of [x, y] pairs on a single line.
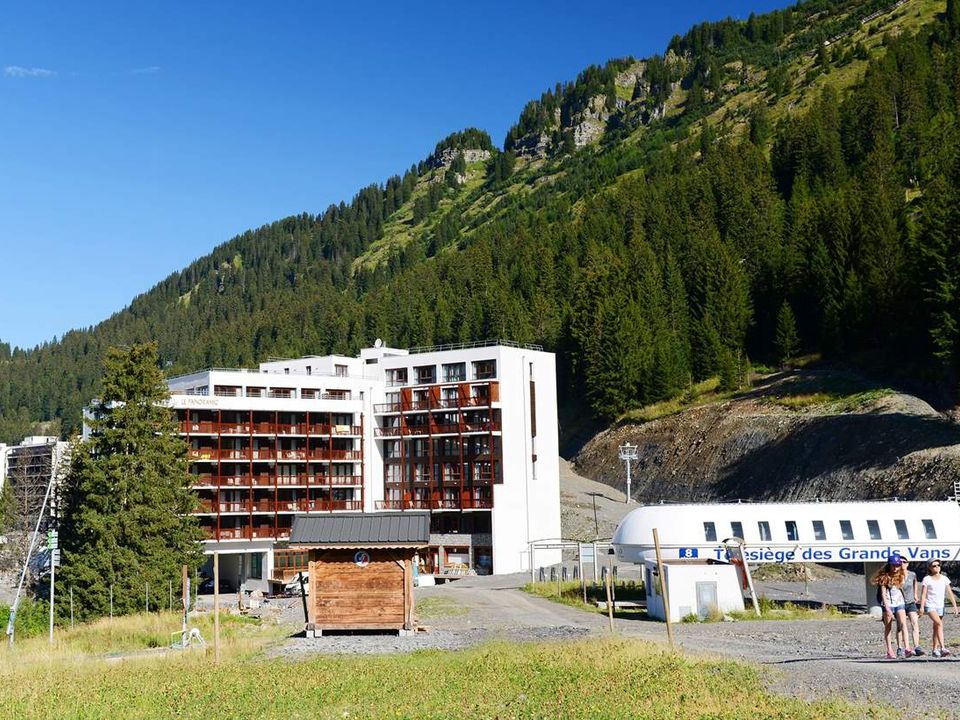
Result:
{"points": [[361, 558]]}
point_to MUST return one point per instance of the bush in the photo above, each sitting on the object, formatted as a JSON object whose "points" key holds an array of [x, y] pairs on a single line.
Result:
{"points": [[33, 617]]}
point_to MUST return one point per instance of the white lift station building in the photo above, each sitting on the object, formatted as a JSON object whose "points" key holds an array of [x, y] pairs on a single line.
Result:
{"points": [[864, 533]]}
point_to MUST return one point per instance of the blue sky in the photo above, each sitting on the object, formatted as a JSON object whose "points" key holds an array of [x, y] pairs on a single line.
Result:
{"points": [[135, 139]]}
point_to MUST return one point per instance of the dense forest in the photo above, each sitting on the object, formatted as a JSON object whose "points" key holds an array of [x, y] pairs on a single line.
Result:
{"points": [[661, 255]]}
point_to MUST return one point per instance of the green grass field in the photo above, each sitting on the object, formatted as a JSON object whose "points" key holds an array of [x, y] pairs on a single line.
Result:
{"points": [[611, 678]]}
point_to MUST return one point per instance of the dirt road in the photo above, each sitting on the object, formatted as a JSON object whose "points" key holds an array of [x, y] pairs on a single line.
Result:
{"points": [[806, 658]]}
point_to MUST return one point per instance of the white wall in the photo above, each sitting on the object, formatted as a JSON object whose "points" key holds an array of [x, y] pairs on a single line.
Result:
{"points": [[682, 582], [527, 505]]}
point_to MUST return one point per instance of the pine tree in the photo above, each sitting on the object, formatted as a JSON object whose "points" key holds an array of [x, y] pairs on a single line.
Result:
{"points": [[126, 502], [787, 341]]}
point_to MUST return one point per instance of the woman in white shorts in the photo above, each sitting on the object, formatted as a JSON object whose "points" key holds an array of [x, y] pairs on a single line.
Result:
{"points": [[934, 589]]}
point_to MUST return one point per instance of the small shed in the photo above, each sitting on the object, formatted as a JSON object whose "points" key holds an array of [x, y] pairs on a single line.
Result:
{"points": [[700, 587], [360, 569]]}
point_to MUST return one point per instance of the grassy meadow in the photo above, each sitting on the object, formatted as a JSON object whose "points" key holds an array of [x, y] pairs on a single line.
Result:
{"points": [[610, 678]]}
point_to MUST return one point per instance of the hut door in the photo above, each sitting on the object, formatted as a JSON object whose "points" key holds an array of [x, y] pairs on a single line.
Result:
{"points": [[706, 599]]}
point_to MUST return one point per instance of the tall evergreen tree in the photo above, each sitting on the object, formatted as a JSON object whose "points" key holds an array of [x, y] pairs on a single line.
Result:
{"points": [[786, 341], [126, 502]]}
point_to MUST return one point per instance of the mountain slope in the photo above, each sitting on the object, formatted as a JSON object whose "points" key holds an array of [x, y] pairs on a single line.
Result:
{"points": [[797, 435], [647, 222]]}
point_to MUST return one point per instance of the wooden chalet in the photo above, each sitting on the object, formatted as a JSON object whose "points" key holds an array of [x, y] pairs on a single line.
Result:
{"points": [[361, 569]]}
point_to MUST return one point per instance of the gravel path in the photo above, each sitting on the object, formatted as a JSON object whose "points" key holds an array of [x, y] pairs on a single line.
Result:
{"points": [[805, 658]]}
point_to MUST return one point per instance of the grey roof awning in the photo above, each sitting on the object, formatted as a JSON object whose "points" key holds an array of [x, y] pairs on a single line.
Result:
{"points": [[406, 529]]}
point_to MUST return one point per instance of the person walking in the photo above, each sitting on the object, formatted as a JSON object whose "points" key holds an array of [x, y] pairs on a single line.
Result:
{"points": [[888, 580], [911, 597], [934, 589]]}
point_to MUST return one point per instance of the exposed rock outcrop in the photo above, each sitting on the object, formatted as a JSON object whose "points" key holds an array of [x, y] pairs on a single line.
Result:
{"points": [[762, 446]]}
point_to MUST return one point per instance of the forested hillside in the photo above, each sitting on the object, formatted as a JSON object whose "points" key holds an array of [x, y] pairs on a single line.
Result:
{"points": [[649, 222]]}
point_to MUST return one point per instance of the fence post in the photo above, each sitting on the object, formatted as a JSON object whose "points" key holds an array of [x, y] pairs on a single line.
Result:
{"points": [[111, 601], [71, 608], [146, 596], [171, 595]]}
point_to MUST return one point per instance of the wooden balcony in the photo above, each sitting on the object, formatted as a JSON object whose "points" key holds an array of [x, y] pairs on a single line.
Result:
{"points": [[242, 533], [473, 503]]}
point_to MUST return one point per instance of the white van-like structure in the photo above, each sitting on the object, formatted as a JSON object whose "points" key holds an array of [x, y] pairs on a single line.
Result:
{"points": [[830, 532]]}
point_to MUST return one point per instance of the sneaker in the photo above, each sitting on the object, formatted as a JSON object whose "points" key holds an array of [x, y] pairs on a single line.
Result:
{"points": [[919, 651], [945, 653], [908, 652], [899, 653], [936, 653], [891, 656]]}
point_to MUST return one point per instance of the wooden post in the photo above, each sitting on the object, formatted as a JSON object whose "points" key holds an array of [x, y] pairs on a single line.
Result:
{"points": [[613, 585], [303, 598], [663, 586], [609, 600], [216, 607], [185, 602]]}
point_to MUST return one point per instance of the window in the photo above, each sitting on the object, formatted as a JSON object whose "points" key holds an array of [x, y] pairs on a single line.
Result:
{"points": [[710, 531], [425, 374], [873, 527], [256, 566], [286, 371], [255, 392], [901, 526], [397, 376], [764, 528], [846, 530], [484, 369], [454, 372], [309, 370], [736, 529], [929, 531], [819, 532], [340, 370], [792, 534]]}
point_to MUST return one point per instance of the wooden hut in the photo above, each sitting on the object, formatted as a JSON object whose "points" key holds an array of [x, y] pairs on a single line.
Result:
{"points": [[361, 569]]}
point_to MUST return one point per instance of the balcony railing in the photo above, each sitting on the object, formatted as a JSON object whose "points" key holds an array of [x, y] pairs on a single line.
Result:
{"points": [[411, 504], [242, 533], [269, 481], [476, 503]]}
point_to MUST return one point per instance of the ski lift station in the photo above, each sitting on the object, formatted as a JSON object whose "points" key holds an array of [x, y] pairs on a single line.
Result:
{"points": [[697, 541]]}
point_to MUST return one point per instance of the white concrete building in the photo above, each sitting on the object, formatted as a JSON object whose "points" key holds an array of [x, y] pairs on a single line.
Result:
{"points": [[468, 432], [694, 587], [29, 468]]}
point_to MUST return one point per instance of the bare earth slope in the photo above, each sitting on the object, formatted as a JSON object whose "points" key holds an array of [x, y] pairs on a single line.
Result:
{"points": [[795, 435]]}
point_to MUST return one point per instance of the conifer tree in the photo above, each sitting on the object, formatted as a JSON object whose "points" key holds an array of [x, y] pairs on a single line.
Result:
{"points": [[786, 341], [126, 501]]}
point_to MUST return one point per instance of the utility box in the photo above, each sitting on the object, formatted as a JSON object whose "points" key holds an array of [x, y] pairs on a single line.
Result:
{"points": [[360, 569], [694, 587]]}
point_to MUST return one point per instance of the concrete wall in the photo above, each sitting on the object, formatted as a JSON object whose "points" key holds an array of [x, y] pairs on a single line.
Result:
{"points": [[682, 582], [526, 506]]}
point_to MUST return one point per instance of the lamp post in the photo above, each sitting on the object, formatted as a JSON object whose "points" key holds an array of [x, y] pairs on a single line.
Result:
{"points": [[628, 452]]}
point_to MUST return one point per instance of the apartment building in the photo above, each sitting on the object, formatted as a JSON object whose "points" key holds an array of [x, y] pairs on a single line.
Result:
{"points": [[29, 468], [468, 432]]}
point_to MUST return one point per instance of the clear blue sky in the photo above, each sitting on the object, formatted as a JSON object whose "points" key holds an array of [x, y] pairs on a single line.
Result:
{"points": [[135, 137]]}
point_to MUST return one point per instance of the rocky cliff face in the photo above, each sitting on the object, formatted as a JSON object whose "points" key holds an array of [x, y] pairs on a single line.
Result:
{"points": [[786, 440]]}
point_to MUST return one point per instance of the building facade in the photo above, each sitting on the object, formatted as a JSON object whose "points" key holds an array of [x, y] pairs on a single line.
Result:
{"points": [[28, 469], [467, 432]]}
